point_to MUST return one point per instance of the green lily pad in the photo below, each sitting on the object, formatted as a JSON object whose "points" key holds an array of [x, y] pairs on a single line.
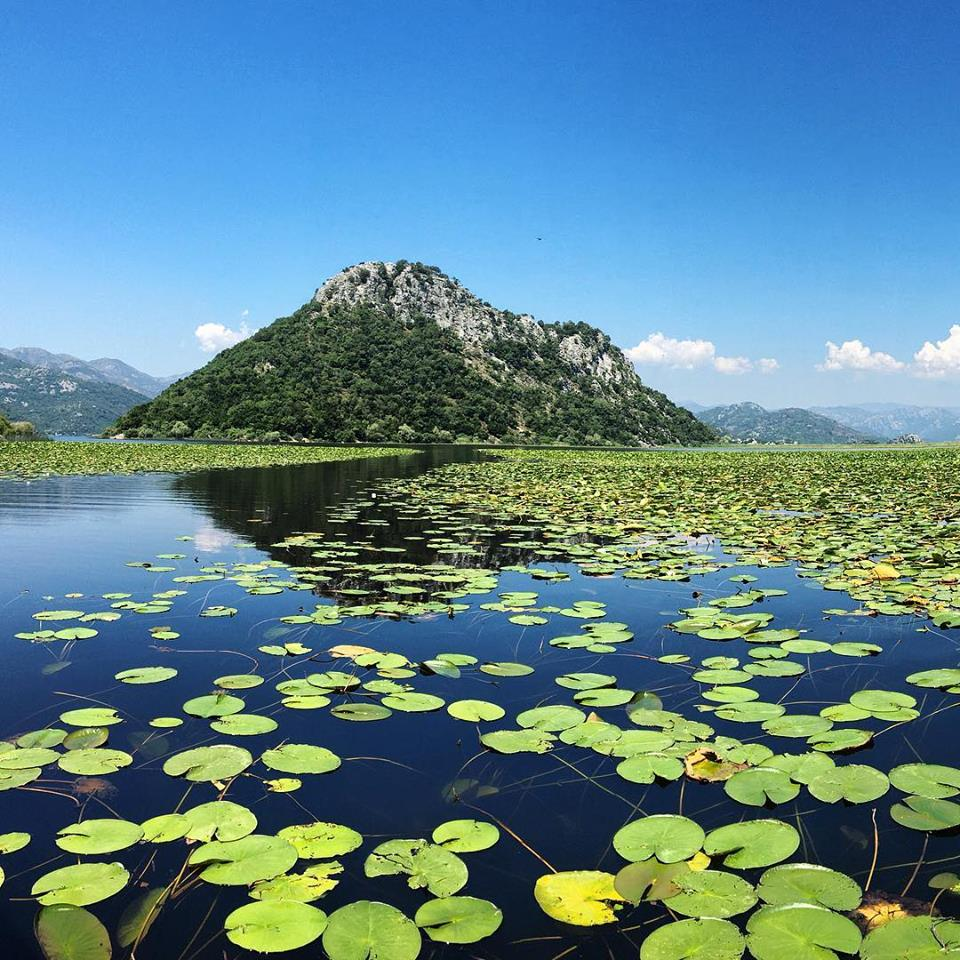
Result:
{"points": [[519, 741], [139, 675], [219, 820], [426, 865], [218, 762], [926, 780], [301, 758], [458, 919], [924, 813], [752, 843], [243, 862], [553, 719], [800, 931], [475, 711], [67, 932], [854, 783], [912, 938], [466, 836], [367, 930], [94, 761], [360, 712], [98, 836], [706, 939], [81, 884], [320, 840], [712, 893], [312, 884], [757, 786], [244, 725], [667, 837], [809, 883], [273, 926], [91, 717], [213, 705]]}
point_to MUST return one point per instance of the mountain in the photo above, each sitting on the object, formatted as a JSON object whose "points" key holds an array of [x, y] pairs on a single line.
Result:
{"points": [[103, 370], [399, 351], [750, 421], [893, 420], [57, 401]]}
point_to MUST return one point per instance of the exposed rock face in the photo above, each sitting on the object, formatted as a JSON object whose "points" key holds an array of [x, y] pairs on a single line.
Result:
{"points": [[410, 290]]}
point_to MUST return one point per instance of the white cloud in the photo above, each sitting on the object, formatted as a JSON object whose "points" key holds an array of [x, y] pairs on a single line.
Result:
{"points": [[856, 355], [733, 366], [939, 359], [214, 337], [664, 351]]}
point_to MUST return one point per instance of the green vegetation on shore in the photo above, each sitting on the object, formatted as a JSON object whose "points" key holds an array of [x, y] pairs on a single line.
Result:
{"points": [[16, 429], [54, 457]]}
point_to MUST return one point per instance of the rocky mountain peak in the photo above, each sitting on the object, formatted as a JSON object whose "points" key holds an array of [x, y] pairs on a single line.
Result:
{"points": [[408, 290]]}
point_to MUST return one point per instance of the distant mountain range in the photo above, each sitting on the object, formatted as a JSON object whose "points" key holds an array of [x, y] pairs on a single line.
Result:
{"points": [[751, 422], [102, 370], [400, 351], [889, 420], [57, 401]]}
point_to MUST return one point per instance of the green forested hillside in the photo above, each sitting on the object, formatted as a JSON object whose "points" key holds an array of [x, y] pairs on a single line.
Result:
{"points": [[56, 401], [751, 422], [370, 362]]}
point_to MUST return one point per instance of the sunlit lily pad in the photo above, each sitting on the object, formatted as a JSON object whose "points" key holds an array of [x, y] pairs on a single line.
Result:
{"points": [[706, 939], [301, 758], [426, 865], [752, 843], [98, 836], [273, 926], [218, 762], [466, 836], [800, 931], [320, 840], [584, 898], [367, 930], [243, 862], [809, 883], [458, 919], [667, 837], [80, 884]]}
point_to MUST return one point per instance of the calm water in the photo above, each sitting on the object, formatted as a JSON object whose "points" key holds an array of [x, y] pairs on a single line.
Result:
{"points": [[76, 535]]}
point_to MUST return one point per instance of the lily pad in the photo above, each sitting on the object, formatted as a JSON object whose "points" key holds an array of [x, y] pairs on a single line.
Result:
{"points": [[426, 865], [367, 930], [752, 843], [667, 837], [466, 836], [458, 919], [800, 931], [243, 862], [584, 898], [67, 932], [273, 926], [706, 939], [81, 884]]}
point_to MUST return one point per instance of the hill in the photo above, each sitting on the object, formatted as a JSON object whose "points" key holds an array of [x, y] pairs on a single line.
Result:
{"points": [[891, 420], [750, 421], [399, 351], [57, 401], [102, 370]]}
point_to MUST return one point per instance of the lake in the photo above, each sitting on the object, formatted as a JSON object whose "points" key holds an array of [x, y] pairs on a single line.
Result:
{"points": [[557, 804]]}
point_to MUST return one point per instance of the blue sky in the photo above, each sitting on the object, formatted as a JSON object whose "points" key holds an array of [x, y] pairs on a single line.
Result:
{"points": [[761, 177]]}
